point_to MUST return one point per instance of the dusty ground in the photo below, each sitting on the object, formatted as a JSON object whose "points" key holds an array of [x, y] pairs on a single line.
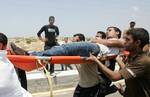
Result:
{"points": [[30, 43], [33, 43]]}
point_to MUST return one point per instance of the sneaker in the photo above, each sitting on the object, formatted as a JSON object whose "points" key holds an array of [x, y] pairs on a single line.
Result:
{"points": [[17, 50]]}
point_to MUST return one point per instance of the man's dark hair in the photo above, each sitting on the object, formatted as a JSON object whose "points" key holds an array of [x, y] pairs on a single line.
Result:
{"points": [[116, 30], [139, 34], [132, 24], [103, 34], [3, 39], [81, 36], [51, 17]]}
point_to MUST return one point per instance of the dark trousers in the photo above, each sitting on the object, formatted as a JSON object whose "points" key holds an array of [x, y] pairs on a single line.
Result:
{"points": [[88, 92], [22, 77], [106, 87], [50, 67]]}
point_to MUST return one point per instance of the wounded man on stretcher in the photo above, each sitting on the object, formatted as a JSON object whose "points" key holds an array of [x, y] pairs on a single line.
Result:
{"points": [[71, 49]]}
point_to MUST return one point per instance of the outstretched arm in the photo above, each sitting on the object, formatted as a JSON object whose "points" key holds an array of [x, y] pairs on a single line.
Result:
{"points": [[113, 75], [110, 43]]}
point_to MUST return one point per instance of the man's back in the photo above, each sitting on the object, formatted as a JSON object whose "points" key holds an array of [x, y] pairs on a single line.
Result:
{"points": [[9, 83]]}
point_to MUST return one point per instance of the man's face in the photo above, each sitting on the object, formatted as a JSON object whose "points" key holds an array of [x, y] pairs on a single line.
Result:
{"points": [[2, 47], [98, 36], [65, 39], [111, 33], [132, 25], [75, 39], [51, 21], [129, 44]]}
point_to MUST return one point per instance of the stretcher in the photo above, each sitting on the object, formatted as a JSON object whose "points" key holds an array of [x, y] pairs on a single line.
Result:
{"points": [[29, 63]]}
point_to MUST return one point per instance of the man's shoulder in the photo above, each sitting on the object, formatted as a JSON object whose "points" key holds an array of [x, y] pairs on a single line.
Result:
{"points": [[50, 26], [55, 26], [144, 59], [44, 26]]}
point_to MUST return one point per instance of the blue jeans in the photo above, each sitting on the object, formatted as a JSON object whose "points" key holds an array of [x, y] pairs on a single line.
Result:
{"points": [[70, 49]]}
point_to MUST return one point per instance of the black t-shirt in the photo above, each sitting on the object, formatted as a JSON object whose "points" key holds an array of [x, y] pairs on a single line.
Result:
{"points": [[51, 32]]}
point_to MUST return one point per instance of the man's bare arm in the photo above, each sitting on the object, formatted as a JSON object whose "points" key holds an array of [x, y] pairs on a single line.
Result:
{"points": [[111, 43], [120, 63], [114, 76]]}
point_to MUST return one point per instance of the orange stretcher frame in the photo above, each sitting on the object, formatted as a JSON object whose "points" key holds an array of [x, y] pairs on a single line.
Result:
{"points": [[29, 63]]}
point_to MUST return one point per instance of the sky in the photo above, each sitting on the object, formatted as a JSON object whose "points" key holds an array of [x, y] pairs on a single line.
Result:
{"points": [[23, 18]]}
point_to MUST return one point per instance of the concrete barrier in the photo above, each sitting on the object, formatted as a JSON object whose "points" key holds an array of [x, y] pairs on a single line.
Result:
{"points": [[37, 82]]}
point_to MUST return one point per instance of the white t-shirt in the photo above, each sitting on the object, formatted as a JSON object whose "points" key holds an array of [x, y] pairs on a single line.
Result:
{"points": [[108, 51], [9, 83]]}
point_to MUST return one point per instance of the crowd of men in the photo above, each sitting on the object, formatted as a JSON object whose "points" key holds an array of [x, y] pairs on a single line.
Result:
{"points": [[97, 73]]}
